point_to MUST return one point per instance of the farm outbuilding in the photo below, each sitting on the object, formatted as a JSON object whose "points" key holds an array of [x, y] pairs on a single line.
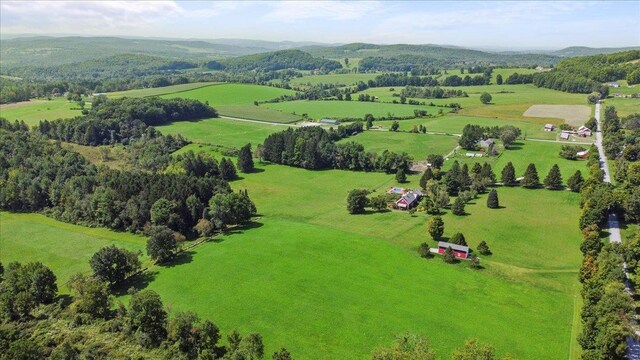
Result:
{"points": [[584, 131], [549, 127], [409, 199], [330, 122], [565, 135], [459, 251]]}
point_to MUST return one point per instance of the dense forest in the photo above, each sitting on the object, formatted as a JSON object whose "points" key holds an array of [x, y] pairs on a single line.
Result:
{"points": [[279, 60]]}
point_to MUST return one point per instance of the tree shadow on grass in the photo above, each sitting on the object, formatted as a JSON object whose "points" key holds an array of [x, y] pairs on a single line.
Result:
{"points": [[137, 282], [241, 229], [182, 258]]}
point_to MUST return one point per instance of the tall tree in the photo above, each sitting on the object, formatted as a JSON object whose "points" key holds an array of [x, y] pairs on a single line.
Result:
{"points": [[91, 296], [435, 227], [492, 199], [498, 79], [530, 179], [426, 176], [245, 159], [575, 181], [401, 177], [227, 169], [113, 265], [448, 256], [485, 98], [508, 174], [147, 318], [483, 248], [458, 206], [357, 200], [553, 180], [162, 245], [458, 239]]}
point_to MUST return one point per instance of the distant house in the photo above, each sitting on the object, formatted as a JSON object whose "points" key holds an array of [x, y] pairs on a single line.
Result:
{"points": [[486, 143], [584, 131], [459, 251], [613, 84], [582, 154], [330, 122], [549, 127], [565, 135], [409, 199]]}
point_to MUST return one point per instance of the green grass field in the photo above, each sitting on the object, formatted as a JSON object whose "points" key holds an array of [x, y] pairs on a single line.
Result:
{"points": [[416, 145], [341, 79], [159, 90], [230, 133], [509, 101], [34, 111], [624, 106], [236, 100], [65, 248], [318, 109]]}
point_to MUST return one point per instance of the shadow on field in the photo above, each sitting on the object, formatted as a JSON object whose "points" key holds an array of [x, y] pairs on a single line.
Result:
{"points": [[515, 146], [241, 229], [137, 282], [182, 258]]}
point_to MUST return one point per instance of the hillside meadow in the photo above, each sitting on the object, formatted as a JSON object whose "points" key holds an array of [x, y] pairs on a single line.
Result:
{"points": [[319, 109], [34, 111]]}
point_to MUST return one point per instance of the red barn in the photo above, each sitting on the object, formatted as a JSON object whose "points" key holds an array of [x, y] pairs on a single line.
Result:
{"points": [[459, 251]]}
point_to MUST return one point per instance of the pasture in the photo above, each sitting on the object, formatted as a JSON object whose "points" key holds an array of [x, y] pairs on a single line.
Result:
{"points": [[32, 112], [416, 145], [237, 100], [225, 132], [624, 106], [318, 109], [340, 79], [65, 248], [159, 90], [509, 101]]}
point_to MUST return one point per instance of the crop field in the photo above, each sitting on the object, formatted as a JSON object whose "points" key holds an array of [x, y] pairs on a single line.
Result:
{"points": [[574, 115], [509, 101], [65, 248], [225, 132], [159, 90], [416, 145], [32, 112], [318, 109]]}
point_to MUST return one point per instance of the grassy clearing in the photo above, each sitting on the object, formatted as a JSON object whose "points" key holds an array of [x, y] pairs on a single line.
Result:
{"points": [[453, 124], [624, 88], [116, 156], [509, 101], [32, 112], [159, 90], [230, 133], [237, 100], [65, 248], [574, 115], [341, 79], [346, 109], [624, 106], [416, 145]]}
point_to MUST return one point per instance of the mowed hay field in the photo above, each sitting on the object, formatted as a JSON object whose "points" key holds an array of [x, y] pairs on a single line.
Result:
{"points": [[32, 112], [65, 248], [327, 284], [318, 109], [340, 79], [159, 90], [574, 115], [508, 101], [238, 100], [416, 145]]}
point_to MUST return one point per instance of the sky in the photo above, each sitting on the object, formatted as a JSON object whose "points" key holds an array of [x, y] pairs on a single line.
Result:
{"points": [[479, 24]]}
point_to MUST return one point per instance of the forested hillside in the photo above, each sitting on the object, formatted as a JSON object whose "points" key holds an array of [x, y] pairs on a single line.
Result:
{"points": [[279, 60]]}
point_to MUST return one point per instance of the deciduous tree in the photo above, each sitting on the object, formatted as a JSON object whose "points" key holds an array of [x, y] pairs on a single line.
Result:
{"points": [[435, 227]]}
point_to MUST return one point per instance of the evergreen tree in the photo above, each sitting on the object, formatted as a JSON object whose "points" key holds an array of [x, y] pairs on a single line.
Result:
{"points": [[464, 179], [458, 239], [492, 199], [458, 206], [435, 227], [401, 177], [448, 256], [424, 250], [530, 179], [227, 169], [553, 180], [487, 173], [476, 169], [283, 354], [508, 175], [483, 248], [575, 181], [426, 176], [245, 159]]}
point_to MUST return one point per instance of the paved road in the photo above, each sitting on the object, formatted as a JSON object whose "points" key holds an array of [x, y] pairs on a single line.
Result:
{"points": [[633, 344]]}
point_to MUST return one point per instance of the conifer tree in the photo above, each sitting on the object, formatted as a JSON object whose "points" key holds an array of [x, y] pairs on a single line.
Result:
{"points": [[475, 263], [531, 179], [426, 176], [553, 180], [492, 200], [458, 206], [449, 256], [487, 173], [227, 170], [458, 239], [508, 174], [483, 248], [401, 177], [245, 160]]}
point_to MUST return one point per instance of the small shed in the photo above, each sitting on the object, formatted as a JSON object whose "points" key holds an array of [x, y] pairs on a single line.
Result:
{"points": [[330, 122], [549, 127], [459, 251], [614, 84], [582, 154], [565, 135]]}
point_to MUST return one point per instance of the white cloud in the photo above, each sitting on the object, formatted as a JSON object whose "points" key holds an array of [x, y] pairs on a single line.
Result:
{"points": [[293, 11], [59, 16]]}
